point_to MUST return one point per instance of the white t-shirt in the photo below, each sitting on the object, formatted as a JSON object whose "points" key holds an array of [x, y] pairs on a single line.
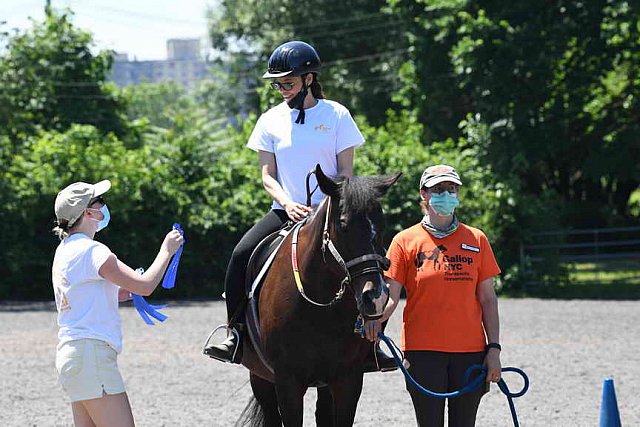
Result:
{"points": [[87, 304], [328, 130]]}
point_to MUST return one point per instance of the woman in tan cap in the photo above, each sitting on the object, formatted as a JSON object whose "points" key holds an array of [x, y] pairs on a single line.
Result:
{"points": [[450, 320], [88, 282]]}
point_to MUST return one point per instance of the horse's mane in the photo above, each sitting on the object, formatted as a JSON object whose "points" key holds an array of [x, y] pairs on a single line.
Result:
{"points": [[359, 194]]}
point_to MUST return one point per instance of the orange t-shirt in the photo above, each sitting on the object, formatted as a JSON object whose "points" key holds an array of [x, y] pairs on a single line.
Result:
{"points": [[440, 276]]}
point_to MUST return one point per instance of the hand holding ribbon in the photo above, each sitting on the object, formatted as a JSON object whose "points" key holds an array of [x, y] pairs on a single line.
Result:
{"points": [[142, 306], [169, 280]]}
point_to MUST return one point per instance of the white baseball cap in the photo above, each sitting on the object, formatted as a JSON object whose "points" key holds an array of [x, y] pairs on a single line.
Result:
{"points": [[75, 198], [439, 173]]}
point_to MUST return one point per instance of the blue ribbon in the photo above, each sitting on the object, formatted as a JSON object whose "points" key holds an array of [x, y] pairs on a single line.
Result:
{"points": [[169, 280], [142, 306], [145, 309]]}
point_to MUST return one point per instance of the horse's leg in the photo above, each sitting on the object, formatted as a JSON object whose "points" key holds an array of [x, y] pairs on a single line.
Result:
{"points": [[324, 408], [346, 393], [265, 394], [290, 394]]}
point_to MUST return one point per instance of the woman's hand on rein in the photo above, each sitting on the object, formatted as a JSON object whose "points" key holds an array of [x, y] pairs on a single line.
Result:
{"points": [[371, 329], [493, 365], [296, 212]]}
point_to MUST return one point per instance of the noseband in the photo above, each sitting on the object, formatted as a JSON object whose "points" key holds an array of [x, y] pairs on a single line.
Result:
{"points": [[381, 263]]}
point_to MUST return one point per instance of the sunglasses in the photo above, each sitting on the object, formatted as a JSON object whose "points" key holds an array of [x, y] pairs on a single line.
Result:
{"points": [[441, 188], [98, 199], [282, 86]]}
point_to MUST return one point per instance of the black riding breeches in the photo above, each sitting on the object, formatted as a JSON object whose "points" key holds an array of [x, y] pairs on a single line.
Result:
{"points": [[234, 281]]}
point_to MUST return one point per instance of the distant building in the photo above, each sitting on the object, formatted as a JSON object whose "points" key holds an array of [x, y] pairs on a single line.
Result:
{"points": [[184, 65], [183, 49]]}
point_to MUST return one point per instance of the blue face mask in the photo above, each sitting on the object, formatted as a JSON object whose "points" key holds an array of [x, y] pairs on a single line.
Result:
{"points": [[102, 224], [444, 203]]}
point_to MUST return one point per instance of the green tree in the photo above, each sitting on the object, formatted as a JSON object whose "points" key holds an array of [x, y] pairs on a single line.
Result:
{"points": [[556, 84], [49, 162], [230, 91], [361, 45], [488, 201], [50, 80], [158, 103]]}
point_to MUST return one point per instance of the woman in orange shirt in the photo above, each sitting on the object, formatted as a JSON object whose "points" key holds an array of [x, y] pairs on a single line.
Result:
{"points": [[450, 320]]}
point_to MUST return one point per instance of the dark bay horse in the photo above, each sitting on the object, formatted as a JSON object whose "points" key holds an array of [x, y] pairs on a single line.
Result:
{"points": [[325, 274]]}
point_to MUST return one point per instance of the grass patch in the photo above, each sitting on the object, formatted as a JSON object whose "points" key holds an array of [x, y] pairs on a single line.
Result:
{"points": [[619, 279]]}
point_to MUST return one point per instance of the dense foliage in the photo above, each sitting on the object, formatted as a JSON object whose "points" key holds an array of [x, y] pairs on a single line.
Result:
{"points": [[51, 80], [556, 83], [360, 44], [535, 104]]}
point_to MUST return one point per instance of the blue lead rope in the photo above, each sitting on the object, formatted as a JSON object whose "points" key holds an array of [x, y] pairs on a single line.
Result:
{"points": [[471, 385], [169, 280], [142, 306]]}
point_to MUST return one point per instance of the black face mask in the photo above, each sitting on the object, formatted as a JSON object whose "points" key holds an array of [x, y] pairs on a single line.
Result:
{"points": [[298, 102]]}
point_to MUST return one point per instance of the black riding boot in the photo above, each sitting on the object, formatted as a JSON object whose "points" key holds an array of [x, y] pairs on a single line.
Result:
{"points": [[377, 360], [229, 350]]}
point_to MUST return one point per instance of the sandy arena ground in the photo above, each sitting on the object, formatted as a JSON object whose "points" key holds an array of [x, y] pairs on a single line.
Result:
{"points": [[566, 347]]}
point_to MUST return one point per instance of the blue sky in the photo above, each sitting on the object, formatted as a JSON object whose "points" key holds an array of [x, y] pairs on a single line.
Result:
{"points": [[138, 27]]}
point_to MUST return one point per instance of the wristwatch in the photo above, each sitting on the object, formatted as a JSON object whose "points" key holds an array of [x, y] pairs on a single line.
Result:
{"points": [[493, 345]]}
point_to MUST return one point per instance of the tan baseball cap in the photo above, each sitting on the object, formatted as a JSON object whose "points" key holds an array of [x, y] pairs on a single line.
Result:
{"points": [[439, 173], [74, 199]]}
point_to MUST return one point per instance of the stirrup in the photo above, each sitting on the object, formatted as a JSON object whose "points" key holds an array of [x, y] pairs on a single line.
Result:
{"points": [[229, 329]]}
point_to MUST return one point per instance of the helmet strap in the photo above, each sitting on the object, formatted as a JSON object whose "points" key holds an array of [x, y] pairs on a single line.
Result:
{"points": [[298, 101]]}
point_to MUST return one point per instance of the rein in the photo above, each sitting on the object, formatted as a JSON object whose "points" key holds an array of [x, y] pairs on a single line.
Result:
{"points": [[470, 385], [382, 263]]}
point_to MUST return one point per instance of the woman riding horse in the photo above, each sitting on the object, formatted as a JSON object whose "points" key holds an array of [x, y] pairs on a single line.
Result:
{"points": [[290, 138], [327, 272]]}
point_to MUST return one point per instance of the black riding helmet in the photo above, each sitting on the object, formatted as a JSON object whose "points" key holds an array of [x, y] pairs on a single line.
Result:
{"points": [[294, 58]]}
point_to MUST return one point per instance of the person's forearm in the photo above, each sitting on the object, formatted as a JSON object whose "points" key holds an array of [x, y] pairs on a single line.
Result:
{"points": [[345, 162], [154, 273], [389, 309], [491, 320], [275, 190], [395, 290]]}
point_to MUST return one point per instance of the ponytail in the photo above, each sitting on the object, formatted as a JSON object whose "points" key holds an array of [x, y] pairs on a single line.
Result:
{"points": [[61, 229], [316, 88]]}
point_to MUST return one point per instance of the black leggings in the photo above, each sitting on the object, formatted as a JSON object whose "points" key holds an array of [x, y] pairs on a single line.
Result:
{"points": [[234, 280], [443, 372]]}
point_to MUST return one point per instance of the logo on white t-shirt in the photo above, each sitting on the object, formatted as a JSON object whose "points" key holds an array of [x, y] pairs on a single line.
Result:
{"points": [[59, 283], [322, 128]]}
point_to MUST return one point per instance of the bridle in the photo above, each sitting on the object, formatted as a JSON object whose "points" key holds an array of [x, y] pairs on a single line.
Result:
{"points": [[348, 267]]}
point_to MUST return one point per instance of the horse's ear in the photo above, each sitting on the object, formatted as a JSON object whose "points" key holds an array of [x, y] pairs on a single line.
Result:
{"points": [[326, 184], [387, 181]]}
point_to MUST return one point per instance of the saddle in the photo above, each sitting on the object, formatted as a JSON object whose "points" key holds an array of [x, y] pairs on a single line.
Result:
{"points": [[257, 268], [262, 257], [259, 263]]}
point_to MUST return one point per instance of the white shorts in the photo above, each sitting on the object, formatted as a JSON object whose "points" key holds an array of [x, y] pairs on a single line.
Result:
{"points": [[88, 368]]}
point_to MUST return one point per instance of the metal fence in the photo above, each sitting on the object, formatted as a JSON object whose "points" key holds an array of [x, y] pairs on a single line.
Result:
{"points": [[584, 255]]}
